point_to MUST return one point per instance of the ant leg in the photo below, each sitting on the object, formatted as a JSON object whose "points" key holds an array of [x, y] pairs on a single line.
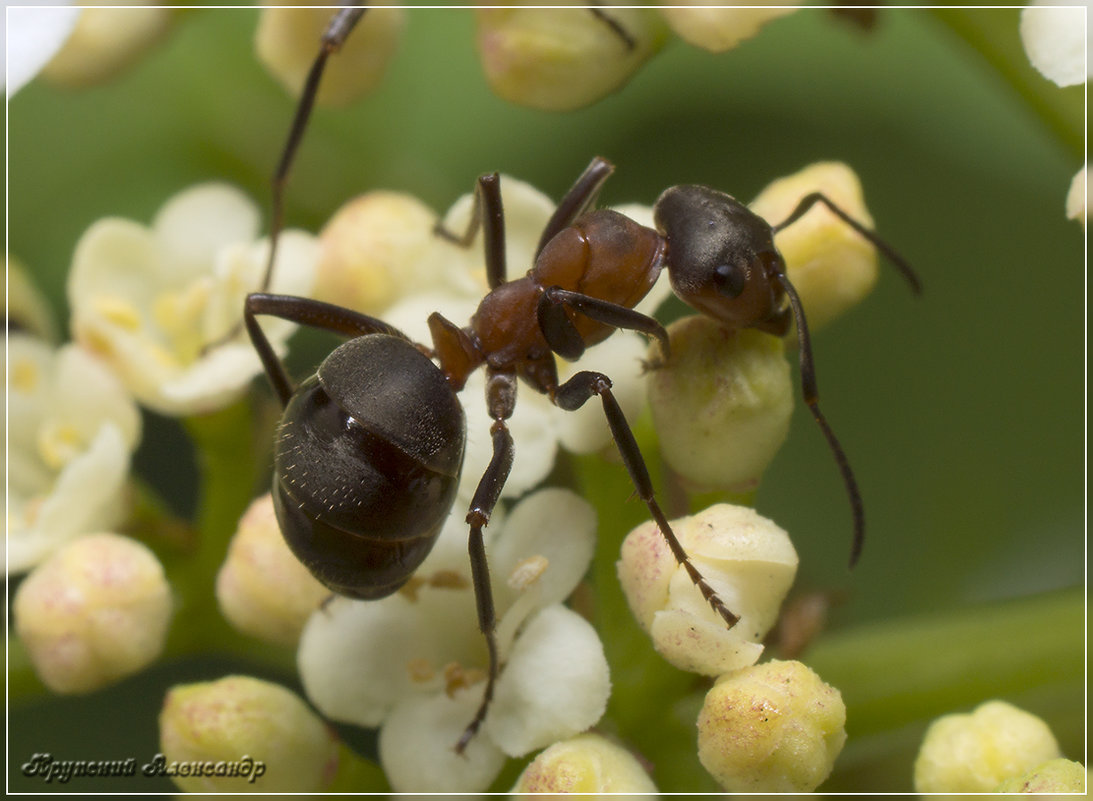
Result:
{"points": [[571, 396], [487, 213], [304, 311], [810, 200], [500, 399], [332, 39], [811, 395], [562, 335], [577, 200]]}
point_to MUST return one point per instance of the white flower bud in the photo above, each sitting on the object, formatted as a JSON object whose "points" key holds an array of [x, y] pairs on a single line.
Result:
{"points": [[831, 265], [717, 26], [262, 588], [722, 403], [771, 728], [587, 763], [106, 41], [748, 560], [561, 59], [287, 43], [1053, 777], [242, 720], [1055, 41], [973, 753], [93, 613]]}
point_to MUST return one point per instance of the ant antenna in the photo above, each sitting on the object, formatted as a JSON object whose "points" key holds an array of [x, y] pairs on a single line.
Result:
{"points": [[811, 396]]}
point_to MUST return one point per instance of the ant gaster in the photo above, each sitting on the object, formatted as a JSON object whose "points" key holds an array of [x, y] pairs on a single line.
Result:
{"points": [[369, 449]]}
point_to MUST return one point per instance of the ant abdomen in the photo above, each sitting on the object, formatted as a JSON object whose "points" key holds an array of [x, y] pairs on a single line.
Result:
{"points": [[367, 461]]}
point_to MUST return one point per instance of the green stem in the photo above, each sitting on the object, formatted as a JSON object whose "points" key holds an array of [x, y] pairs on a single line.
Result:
{"points": [[903, 671], [994, 34]]}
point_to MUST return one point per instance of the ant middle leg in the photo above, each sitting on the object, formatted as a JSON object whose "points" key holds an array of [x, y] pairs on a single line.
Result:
{"points": [[501, 401], [571, 396]]}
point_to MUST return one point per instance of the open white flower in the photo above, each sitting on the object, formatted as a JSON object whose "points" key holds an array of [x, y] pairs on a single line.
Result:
{"points": [[424, 682], [158, 303], [71, 430]]}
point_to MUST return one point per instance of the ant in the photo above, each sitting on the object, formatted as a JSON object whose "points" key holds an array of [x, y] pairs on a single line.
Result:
{"points": [[369, 449]]}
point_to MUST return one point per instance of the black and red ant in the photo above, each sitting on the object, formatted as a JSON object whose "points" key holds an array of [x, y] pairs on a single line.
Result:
{"points": [[369, 449]]}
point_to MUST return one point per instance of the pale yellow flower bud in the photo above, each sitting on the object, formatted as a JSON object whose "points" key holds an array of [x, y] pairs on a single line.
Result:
{"points": [[721, 27], [262, 587], [973, 753], [239, 721], [106, 41], [28, 308], [562, 59], [287, 43], [587, 763], [94, 612], [771, 728], [748, 560], [1054, 776], [831, 265], [370, 249], [722, 403], [1075, 197]]}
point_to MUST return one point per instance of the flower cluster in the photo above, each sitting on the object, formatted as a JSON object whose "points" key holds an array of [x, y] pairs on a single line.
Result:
{"points": [[156, 318], [156, 309]]}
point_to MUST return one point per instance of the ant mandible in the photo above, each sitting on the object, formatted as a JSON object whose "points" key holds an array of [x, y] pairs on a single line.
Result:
{"points": [[369, 450]]}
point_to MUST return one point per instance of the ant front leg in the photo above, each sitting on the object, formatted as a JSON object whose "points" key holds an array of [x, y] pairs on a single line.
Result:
{"points": [[500, 400], [564, 338], [571, 396]]}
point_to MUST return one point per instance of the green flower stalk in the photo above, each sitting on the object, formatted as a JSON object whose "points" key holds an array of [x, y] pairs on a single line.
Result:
{"points": [[93, 613]]}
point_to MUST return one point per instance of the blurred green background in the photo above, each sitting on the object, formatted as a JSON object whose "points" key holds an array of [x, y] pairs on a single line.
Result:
{"points": [[961, 411]]}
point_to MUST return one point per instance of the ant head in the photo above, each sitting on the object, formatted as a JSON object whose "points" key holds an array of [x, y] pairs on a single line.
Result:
{"points": [[721, 256]]}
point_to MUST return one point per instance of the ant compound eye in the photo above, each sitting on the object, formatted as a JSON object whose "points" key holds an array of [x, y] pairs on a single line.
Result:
{"points": [[730, 279]]}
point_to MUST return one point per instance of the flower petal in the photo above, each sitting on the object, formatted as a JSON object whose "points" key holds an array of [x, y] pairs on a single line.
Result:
{"points": [[86, 497], [417, 746], [192, 225], [555, 684]]}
